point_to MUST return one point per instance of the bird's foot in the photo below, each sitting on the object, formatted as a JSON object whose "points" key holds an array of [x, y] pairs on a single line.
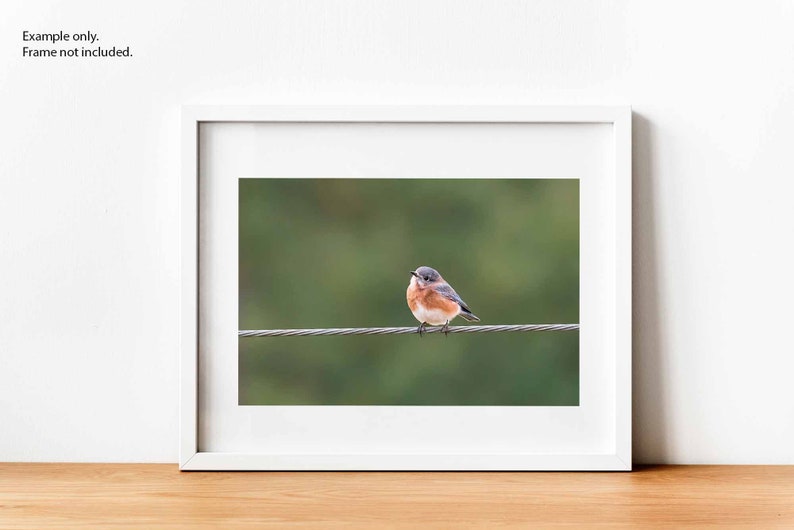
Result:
{"points": [[421, 328], [445, 329]]}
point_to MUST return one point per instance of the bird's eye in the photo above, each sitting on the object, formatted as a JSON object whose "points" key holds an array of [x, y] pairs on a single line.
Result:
{"points": [[427, 278]]}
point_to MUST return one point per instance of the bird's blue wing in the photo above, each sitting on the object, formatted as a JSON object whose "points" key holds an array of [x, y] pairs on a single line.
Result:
{"points": [[447, 291]]}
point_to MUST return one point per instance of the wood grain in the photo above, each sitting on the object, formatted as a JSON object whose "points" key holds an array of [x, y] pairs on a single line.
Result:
{"points": [[159, 496]]}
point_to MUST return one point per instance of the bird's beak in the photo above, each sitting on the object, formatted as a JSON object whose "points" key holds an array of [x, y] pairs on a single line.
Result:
{"points": [[413, 273]]}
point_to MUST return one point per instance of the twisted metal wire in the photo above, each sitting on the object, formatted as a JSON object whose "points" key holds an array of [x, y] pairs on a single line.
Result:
{"points": [[403, 330]]}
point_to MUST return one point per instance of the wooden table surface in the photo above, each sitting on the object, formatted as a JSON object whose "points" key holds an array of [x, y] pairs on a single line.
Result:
{"points": [[159, 496]]}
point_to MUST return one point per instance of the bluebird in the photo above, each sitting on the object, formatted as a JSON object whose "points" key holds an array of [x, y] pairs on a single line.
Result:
{"points": [[433, 301]]}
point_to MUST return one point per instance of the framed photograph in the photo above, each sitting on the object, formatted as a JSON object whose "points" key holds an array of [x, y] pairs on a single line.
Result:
{"points": [[406, 288]]}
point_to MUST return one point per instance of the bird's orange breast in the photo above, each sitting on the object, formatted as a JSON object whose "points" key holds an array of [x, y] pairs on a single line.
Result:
{"points": [[432, 300], [429, 299], [412, 295]]}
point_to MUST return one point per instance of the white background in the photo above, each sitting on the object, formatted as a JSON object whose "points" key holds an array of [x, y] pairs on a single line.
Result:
{"points": [[89, 192]]}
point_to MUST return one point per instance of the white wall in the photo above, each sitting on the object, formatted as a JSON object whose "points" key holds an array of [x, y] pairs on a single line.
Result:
{"points": [[89, 162]]}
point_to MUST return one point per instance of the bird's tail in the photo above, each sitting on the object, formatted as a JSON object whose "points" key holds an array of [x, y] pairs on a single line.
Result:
{"points": [[468, 315]]}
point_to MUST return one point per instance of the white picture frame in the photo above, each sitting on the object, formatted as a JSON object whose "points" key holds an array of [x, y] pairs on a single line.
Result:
{"points": [[596, 436]]}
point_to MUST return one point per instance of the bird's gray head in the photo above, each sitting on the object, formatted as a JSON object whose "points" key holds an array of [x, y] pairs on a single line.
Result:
{"points": [[426, 275]]}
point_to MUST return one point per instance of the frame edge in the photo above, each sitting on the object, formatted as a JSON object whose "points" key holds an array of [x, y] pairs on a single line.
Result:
{"points": [[190, 459], [188, 341]]}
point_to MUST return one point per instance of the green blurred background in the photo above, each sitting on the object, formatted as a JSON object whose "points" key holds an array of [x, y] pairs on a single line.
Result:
{"points": [[337, 253]]}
